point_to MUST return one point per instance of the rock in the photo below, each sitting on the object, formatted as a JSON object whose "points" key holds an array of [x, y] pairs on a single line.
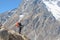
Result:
{"points": [[4, 34], [11, 35]]}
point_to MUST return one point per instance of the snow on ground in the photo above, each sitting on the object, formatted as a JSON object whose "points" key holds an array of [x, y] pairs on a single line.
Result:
{"points": [[53, 8]]}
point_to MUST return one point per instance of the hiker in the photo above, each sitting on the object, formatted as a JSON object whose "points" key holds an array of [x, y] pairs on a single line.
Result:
{"points": [[18, 24]]}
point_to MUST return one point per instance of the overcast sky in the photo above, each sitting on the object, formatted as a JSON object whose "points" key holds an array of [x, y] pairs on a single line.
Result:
{"points": [[6, 5]]}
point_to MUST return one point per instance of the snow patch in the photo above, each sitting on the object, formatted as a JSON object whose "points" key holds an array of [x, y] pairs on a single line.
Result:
{"points": [[53, 8]]}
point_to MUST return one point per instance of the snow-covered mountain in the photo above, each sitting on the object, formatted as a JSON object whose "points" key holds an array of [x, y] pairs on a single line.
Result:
{"points": [[54, 7]]}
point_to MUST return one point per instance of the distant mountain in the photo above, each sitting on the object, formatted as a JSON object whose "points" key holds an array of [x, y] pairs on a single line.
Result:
{"points": [[6, 15]]}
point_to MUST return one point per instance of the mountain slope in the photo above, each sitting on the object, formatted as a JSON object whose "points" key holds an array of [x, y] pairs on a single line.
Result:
{"points": [[6, 15], [39, 23]]}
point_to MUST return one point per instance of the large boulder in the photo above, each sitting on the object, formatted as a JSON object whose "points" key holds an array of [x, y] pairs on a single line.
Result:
{"points": [[6, 34]]}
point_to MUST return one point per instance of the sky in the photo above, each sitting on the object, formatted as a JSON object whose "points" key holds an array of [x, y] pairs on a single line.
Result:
{"points": [[6, 5]]}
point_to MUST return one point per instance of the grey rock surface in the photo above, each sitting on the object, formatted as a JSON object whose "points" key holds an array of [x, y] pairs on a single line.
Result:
{"points": [[4, 34], [58, 3], [40, 24]]}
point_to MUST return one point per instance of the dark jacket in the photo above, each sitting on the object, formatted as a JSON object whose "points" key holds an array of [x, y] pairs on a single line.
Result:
{"points": [[20, 27]]}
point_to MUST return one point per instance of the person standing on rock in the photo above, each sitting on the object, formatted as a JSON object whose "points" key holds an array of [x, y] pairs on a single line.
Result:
{"points": [[18, 24]]}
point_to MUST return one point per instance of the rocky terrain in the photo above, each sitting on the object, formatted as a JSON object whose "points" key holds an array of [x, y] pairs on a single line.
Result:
{"points": [[11, 35], [39, 23]]}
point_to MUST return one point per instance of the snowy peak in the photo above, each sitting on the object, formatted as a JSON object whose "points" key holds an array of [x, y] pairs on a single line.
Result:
{"points": [[54, 7]]}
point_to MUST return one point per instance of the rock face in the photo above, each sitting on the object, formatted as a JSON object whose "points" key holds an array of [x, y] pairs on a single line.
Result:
{"points": [[10, 35], [4, 34], [39, 23], [58, 3]]}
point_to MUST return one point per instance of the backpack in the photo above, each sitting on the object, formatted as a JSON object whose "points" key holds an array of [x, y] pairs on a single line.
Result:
{"points": [[17, 24]]}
